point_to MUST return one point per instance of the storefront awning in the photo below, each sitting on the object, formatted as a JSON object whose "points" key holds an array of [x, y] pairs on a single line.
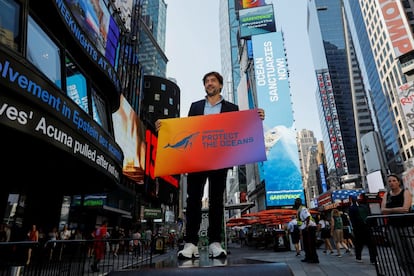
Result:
{"points": [[244, 206]]}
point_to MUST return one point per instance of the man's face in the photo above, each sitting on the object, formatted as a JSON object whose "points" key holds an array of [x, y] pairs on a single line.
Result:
{"points": [[212, 86]]}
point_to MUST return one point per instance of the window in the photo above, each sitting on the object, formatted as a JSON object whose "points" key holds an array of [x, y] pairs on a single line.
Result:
{"points": [[43, 52], [99, 110], [10, 24], [76, 87]]}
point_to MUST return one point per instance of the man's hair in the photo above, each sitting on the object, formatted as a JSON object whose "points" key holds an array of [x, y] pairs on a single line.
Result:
{"points": [[213, 73]]}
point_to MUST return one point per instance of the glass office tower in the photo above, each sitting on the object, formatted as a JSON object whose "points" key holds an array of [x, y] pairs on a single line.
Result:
{"points": [[342, 103], [383, 117]]}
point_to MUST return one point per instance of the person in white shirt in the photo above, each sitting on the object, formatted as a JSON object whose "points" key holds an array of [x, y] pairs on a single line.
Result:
{"points": [[308, 230]]}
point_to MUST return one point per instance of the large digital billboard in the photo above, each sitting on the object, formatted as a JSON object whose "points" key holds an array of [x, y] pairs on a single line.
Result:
{"points": [[256, 21], [96, 31], [282, 175], [130, 135]]}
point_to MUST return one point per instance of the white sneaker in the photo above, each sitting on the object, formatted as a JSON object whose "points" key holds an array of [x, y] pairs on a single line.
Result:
{"points": [[189, 251], [216, 251]]}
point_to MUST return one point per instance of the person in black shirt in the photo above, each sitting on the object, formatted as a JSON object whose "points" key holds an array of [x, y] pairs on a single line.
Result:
{"points": [[358, 213], [398, 200]]}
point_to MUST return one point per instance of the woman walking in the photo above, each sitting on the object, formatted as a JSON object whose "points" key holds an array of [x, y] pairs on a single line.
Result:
{"points": [[337, 232], [324, 229]]}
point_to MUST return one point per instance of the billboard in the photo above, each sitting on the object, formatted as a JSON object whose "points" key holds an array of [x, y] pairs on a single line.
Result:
{"points": [[44, 112], [282, 175], [243, 4], [406, 98], [96, 31], [371, 150], [375, 182], [397, 26], [129, 133], [256, 21], [124, 8], [408, 180]]}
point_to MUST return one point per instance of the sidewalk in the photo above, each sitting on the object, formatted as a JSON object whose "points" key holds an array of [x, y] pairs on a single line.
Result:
{"points": [[265, 258], [328, 264]]}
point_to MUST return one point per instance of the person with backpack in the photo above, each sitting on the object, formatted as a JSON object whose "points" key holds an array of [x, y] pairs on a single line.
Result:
{"points": [[358, 212]]}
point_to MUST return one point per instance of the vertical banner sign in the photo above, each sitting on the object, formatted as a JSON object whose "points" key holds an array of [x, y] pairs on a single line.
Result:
{"points": [[282, 175]]}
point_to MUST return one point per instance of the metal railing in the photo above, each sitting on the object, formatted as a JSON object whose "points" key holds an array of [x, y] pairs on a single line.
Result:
{"points": [[394, 241], [76, 257]]}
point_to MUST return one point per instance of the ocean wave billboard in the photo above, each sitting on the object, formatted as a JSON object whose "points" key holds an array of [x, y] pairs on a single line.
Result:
{"points": [[282, 175]]}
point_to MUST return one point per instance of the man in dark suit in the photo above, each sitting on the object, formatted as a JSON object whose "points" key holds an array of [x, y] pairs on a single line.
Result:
{"points": [[213, 103]]}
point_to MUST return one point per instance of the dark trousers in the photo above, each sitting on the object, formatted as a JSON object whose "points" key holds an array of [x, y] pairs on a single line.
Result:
{"points": [[195, 189], [309, 243], [362, 237]]}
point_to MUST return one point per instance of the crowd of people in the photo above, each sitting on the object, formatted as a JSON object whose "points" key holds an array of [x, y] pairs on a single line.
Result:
{"points": [[98, 242], [348, 228]]}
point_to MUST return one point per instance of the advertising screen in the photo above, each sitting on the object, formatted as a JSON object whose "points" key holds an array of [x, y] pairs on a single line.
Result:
{"points": [[282, 175], [256, 21], [130, 136]]}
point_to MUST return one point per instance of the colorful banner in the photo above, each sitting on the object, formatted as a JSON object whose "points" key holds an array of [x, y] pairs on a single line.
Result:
{"points": [[209, 142]]}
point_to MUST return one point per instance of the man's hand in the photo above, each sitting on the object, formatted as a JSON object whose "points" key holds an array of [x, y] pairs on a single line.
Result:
{"points": [[261, 113], [157, 125]]}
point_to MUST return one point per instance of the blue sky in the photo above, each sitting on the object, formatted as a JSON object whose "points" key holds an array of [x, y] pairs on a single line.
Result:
{"points": [[193, 48]]}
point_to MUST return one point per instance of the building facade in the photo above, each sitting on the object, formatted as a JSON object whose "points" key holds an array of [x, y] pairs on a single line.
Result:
{"points": [[343, 105]]}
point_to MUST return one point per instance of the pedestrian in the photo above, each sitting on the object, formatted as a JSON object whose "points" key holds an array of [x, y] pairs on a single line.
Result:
{"points": [[213, 103], [65, 235], [135, 243], [358, 213], [242, 237], [33, 237], [148, 238], [99, 245], [52, 237], [116, 240], [308, 228], [337, 232], [398, 200], [294, 232], [90, 242], [348, 230], [324, 228]]}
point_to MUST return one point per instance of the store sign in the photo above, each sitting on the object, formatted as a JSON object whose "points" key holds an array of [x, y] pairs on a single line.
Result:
{"points": [[152, 213]]}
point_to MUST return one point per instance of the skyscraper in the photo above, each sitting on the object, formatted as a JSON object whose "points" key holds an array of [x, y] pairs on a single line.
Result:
{"points": [[343, 105], [152, 38], [383, 115]]}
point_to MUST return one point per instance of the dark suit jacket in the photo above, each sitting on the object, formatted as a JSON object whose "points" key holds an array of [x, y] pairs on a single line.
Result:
{"points": [[197, 108]]}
